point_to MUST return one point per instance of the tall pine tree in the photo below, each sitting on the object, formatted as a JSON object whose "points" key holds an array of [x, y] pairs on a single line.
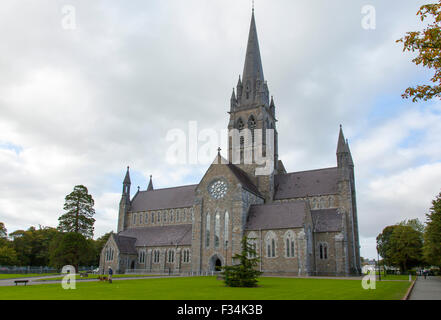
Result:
{"points": [[79, 216]]}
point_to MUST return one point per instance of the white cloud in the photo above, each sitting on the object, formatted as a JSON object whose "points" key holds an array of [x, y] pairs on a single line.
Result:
{"points": [[84, 104]]}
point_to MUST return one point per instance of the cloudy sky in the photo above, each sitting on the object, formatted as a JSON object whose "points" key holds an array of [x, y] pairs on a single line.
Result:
{"points": [[77, 106]]}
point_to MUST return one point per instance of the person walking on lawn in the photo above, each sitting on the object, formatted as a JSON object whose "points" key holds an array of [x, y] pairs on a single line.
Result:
{"points": [[110, 274]]}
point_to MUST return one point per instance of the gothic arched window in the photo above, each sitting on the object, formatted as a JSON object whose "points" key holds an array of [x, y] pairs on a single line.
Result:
{"points": [[323, 251], [156, 256], [240, 124], [252, 125], [271, 244], [217, 228], [207, 231], [289, 244], [226, 228], [171, 256]]}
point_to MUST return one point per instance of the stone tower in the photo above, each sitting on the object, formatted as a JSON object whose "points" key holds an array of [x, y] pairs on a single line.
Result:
{"points": [[252, 119], [124, 204], [345, 165]]}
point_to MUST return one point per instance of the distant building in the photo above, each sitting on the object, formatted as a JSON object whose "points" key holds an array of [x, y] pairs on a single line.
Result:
{"points": [[301, 223]]}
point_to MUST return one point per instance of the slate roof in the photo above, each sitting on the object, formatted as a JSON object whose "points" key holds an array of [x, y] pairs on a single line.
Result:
{"points": [[327, 220], [277, 216], [246, 183], [306, 183], [160, 236], [180, 197], [125, 244]]}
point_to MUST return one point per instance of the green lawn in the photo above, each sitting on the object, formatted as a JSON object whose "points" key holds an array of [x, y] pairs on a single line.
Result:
{"points": [[396, 277], [95, 276], [208, 288], [14, 276]]}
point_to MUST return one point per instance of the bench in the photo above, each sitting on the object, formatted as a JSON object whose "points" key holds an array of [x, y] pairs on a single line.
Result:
{"points": [[84, 275], [21, 281]]}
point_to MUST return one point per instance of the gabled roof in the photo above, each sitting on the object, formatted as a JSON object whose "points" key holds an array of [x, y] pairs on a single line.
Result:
{"points": [[244, 180], [180, 197], [277, 216], [160, 236], [327, 220], [125, 244], [306, 183]]}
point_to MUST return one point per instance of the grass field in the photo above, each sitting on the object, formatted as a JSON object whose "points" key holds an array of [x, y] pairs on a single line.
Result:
{"points": [[14, 276], [396, 277], [95, 276], [208, 288]]}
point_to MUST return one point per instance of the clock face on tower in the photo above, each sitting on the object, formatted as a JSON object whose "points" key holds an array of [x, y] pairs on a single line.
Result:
{"points": [[218, 189]]}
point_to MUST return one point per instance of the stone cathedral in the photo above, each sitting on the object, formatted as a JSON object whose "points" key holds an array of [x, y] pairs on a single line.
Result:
{"points": [[300, 223]]}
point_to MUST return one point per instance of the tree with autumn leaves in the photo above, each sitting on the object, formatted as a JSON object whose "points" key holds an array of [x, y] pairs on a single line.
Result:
{"points": [[427, 43]]}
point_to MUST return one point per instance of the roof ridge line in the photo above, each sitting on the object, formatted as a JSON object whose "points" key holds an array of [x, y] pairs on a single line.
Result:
{"points": [[314, 170], [185, 186]]}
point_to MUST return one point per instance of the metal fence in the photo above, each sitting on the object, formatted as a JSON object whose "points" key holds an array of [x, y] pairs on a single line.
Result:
{"points": [[172, 273], [37, 270]]}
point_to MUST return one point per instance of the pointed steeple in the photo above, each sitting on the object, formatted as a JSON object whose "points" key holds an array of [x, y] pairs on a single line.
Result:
{"points": [[127, 178], [239, 90], [150, 187], [253, 79], [253, 63], [341, 146], [344, 157], [233, 101], [126, 186]]}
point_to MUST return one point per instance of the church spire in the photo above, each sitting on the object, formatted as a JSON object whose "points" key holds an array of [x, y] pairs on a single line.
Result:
{"points": [[127, 177], [344, 157], [253, 63], [341, 146]]}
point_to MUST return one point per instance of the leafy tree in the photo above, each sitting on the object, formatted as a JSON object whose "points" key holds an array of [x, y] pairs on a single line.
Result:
{"points": [[415, 224], [32, 245], [79, 216], [405, 247], [71, 249], [3, 231], [243, 274], [384, 244], [432, 236], [3, 235], [428, 45], [8, 256]]}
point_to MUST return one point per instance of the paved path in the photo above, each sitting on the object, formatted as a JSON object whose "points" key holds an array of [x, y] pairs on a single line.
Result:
{"points": [[38, 280], [426, 289]]}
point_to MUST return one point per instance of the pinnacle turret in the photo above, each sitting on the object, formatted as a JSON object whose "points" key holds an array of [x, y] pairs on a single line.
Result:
{"points": [[150, 187]]}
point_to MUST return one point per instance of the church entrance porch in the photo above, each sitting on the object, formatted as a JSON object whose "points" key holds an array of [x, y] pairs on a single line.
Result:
{"points": [[215, 263]]}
